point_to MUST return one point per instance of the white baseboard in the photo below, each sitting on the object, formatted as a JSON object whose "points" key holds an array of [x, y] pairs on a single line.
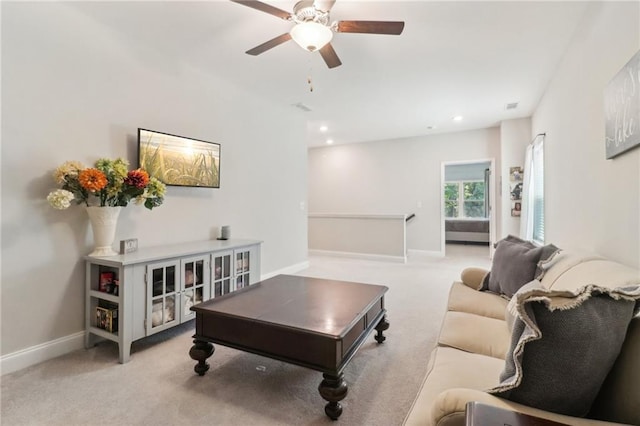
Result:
{"points": [[288, 270], [424, 253], [43, 352], [367, 256]]}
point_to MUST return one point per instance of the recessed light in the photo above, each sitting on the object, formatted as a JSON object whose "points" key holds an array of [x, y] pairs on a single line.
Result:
{"points": [[457, 118], [329, 141], [431, 127], [323, 129]]}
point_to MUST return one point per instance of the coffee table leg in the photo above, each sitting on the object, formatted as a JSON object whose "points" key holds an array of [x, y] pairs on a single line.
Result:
{"points": [[333, 389], [382, 326], [200, 351]]}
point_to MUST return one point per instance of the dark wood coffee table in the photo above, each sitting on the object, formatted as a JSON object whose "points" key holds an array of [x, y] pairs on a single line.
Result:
{"points": [[310, 322], [478, 414]]}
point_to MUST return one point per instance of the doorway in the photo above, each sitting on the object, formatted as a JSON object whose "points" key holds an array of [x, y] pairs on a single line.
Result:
{"points": [[467, 218]]}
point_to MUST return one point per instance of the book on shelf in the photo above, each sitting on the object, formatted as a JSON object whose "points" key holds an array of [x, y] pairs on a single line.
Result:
{"points": [[107, 317], [106, 281]]}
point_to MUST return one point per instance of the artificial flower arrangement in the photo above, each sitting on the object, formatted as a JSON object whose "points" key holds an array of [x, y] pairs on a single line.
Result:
{"points": [[108, 183]]}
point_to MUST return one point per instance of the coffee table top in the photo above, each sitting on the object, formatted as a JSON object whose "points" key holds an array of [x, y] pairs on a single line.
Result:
{"points": [[479, 414], [321, 306]]}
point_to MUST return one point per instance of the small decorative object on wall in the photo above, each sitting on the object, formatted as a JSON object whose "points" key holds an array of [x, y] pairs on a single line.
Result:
{"points": [[622, 109], [104, 189], [179, 161], [515, 174], [515, 188], [517, 208]]}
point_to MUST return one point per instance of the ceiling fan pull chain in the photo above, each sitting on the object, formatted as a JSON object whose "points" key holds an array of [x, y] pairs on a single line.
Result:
{"points": [[309, 80]]}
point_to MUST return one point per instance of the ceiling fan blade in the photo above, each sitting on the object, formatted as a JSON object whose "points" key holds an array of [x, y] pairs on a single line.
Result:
{"points": [[269, 44], [329, 55], [324, 5], [263, 7], [371, 27]]}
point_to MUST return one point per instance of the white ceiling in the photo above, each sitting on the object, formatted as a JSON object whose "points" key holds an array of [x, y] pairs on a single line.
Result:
{"points": [[453, 58]]}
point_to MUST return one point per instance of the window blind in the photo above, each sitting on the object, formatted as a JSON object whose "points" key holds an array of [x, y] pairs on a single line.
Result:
{"points": [[538, 190]]}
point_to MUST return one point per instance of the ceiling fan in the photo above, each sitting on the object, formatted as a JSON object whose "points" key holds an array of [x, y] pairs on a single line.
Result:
{"points": [[312, 29]]}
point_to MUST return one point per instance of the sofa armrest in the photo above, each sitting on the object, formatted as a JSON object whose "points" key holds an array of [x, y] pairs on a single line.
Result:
{"points": [[449, 408], [473, 277]]}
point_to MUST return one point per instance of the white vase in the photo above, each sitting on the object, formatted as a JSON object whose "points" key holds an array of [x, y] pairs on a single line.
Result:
{"points": [[103, 223]]}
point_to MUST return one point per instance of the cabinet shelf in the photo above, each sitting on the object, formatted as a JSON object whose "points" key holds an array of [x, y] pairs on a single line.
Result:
{"points": [[104, 296], [104, 333]]}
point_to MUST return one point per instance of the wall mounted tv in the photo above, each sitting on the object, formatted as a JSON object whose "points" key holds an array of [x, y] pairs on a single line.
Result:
{"points": [[179, 161]]}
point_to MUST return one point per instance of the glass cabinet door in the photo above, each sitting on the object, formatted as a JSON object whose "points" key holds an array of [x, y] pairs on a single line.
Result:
{"points": [[163, 290], [195, 277], [222, 274], [243, 268]]}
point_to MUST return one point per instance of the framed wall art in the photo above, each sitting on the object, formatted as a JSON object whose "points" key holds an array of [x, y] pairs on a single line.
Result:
{"points": [[622, 109], [515, 190]]}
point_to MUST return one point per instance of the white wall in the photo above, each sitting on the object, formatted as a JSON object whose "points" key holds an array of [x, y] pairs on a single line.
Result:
{"points": [[591, 203], [394, 177], [72, 89], [515, 135]]}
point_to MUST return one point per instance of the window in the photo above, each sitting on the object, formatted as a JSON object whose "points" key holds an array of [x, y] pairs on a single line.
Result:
{"points": [[532, 225], [464, 199], [451, 192]]}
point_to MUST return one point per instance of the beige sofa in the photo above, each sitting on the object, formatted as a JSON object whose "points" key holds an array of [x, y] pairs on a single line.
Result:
{"points": [[474, 340]]}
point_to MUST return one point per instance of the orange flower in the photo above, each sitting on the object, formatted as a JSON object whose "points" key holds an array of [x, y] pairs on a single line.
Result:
{"points": [[138, 178], [92, 179]]}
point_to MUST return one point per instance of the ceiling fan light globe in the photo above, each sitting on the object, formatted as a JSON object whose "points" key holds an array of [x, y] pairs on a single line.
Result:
{"points": [[311, 36]]}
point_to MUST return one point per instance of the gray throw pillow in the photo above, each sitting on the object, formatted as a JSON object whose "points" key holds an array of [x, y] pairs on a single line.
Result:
{"points": [[549, 253], [515, 262], [564, 344]]}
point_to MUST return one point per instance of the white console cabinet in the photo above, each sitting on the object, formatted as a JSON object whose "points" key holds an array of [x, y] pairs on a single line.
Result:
{"points": [[134, 295]]}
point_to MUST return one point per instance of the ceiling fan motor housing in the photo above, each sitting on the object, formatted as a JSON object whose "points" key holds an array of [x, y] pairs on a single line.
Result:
{"points": [[305, 11]]}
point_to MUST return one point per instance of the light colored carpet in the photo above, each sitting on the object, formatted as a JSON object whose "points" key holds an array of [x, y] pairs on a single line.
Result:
{"points": [[159, 387]]}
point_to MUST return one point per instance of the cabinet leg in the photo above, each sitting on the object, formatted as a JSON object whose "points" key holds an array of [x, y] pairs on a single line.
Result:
{"points": [[200, 351], [382, 326], [89, 340], [333, 389], [125, 352]]}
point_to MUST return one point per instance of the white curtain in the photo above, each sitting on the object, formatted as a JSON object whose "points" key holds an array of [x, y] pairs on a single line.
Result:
{"points": [[532, 215], [526, 215]]}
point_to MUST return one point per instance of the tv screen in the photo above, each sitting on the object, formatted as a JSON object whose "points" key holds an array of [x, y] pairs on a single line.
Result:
{"points": [[179, 161]]}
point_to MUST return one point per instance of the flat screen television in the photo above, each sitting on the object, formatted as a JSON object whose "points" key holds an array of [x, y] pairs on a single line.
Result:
{"points": [[179, 161]]}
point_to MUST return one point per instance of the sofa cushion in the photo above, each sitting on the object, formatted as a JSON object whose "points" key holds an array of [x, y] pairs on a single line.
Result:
{"points": [[452, 368], [564, 344], [514, 264], [474, 333], [465, 299]]}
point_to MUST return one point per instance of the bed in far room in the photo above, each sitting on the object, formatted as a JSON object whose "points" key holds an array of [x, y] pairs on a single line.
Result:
{"points": [[467, 230]]}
